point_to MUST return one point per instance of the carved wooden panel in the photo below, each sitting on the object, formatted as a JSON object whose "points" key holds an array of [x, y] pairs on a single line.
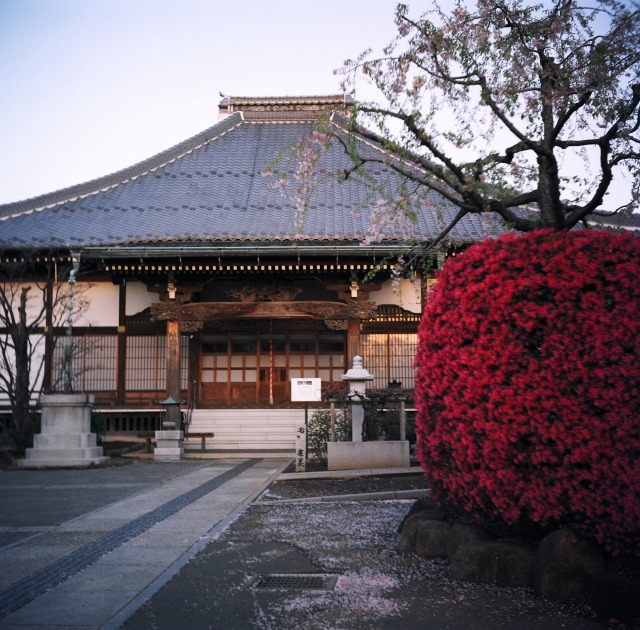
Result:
{"points": [[201, 312], [276, 310]]}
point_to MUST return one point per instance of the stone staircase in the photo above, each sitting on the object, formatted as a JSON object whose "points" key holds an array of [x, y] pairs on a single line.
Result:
{"points": [[242, 432]]}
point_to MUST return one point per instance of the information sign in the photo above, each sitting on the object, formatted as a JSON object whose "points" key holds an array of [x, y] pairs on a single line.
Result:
{"points": [[306, 389]]}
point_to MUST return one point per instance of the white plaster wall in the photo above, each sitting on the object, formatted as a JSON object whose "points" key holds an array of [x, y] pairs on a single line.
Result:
{"points": [[100, 302], [138, 298], [35, 298], [408, 296], [102, 307], [35, 377], [35, 303], [37, 361]]}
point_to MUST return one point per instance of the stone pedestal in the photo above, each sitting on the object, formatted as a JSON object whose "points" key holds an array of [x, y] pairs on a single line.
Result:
{"points": [[65, 439], [169, 446], [362, 455]]}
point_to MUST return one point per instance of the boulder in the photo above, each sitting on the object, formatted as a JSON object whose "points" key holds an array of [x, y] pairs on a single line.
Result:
{"points": [[431, 538], [421, 510], [422, 505], [496, 563], [464, 533], [565, 564]]}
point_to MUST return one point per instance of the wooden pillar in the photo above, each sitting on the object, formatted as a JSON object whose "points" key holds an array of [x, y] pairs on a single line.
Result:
{"points": [[194, 359], [173, 369], [353, 340], [121, 365]]}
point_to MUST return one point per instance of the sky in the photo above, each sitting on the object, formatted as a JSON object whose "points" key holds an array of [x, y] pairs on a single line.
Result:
{"points": [[88, 87]]}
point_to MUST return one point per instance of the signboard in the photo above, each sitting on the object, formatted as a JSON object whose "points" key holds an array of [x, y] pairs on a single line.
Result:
{"points": [[305, 389], [301, 448]]}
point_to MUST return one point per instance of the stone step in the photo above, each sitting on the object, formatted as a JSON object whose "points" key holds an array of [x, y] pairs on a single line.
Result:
{"points": [[247, 429], [64, 453], [241, 454], [234, 445], [66, 463]]}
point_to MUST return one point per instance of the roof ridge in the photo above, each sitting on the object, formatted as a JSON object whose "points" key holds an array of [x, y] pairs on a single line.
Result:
{"points": [[284, 108], [323, 98], [117, 178]]}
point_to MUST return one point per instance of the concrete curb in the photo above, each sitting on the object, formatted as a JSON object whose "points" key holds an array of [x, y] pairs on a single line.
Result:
{"points": [[349, 474], [365, 496]]}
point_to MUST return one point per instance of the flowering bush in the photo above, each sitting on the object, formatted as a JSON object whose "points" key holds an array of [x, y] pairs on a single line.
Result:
{"points": [[527, 378]]}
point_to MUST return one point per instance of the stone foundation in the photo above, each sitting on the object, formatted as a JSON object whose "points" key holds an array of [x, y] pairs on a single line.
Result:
{"points": [[169, 446], [65, 439]]}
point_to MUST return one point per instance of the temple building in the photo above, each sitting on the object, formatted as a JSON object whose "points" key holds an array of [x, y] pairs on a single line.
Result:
{"points": [[203, 281]]}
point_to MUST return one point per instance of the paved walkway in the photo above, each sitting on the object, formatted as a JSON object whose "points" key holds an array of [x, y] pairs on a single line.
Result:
{"points": [[83, 549], [172, 545]]}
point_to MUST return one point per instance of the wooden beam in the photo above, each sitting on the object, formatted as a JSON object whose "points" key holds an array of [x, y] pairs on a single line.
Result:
{"points": [[206, 311]]}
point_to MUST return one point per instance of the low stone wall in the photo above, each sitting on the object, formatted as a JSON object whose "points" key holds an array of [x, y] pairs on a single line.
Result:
{"points": [[562, 566], [362, 455]]}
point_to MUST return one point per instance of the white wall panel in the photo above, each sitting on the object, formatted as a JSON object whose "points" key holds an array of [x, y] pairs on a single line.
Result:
{"points": [[103, 305], [408, 297], [138, 298]]}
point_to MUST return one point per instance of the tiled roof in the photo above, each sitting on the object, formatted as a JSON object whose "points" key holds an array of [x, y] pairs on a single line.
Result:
{"points": [[210, 190], [611, 220]]}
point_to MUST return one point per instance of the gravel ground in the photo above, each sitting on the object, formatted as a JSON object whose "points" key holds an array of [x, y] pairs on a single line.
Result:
{"points": [[375, 587]]}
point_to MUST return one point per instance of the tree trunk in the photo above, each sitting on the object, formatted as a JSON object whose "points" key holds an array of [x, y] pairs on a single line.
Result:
{"points": [[20, 407], [549, 202], [47, 377]]}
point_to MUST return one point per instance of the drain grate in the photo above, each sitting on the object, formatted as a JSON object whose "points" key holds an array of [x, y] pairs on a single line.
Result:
{"points": [[318, 582]]}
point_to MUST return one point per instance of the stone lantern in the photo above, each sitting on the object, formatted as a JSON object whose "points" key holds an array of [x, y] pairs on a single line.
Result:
{"points": [[169, 446], [357, 378], [357, 454]]}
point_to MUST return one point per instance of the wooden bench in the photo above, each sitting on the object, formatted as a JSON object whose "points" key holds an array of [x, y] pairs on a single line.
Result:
{"points": [[203, 438]]}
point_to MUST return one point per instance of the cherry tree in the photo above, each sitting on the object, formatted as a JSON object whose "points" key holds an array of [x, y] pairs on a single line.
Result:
{"points": [[527, 111]]}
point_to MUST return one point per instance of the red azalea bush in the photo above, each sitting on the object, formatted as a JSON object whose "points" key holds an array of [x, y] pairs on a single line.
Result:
{"points": [[527, 383]]}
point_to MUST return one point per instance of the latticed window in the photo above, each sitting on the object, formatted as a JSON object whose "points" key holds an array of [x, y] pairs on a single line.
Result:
{"points": [[389, 358], [93, 366], [146, 365], [241, 367]]}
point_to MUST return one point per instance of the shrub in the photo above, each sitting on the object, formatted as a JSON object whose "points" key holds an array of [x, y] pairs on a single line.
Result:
{"points": [[382, 419], [527, 379], [98, 426], [319, 429]]}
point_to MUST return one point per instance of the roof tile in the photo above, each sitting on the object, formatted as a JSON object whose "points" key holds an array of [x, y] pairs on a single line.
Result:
{"points": [[211, 188]]}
